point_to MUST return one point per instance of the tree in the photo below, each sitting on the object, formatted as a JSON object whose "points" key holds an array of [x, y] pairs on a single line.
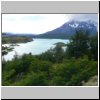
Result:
{"points": [[93, 50], [15, 56], [34, 79], [78, 45], [54, 55], [58, 53]]}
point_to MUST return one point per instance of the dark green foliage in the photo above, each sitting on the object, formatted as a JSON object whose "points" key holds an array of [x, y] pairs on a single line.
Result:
{"points": [[55, 67], [54, 55], [32, 71], [93, 52], [78, 45], [85, 69], [34, 79], [82, 44]]}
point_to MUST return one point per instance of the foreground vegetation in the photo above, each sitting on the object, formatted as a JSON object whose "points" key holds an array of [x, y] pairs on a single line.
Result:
{"points": [[56, 67]]}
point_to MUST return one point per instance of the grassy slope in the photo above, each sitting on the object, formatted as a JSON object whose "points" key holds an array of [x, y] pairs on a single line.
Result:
{"points": [[16, 39]]}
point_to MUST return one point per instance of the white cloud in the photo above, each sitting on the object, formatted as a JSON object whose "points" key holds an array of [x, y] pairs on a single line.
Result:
{"points": [[84, 17], [39, 23], [32, 23]]}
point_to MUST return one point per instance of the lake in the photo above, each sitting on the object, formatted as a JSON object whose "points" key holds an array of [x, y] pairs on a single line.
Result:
{"points": [[37, 46]]}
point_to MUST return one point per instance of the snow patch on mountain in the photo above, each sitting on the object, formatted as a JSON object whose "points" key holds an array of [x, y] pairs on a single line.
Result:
{"points": [[74, 25]]}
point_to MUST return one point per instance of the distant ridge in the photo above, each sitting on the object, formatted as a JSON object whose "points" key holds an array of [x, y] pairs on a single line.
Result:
{"points": [[21, 34]]}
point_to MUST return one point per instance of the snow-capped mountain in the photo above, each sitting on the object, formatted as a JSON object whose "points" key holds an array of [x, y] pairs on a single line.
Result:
{"points": [[69, 28]]}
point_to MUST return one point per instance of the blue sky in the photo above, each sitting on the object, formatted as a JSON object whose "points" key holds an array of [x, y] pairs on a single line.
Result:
{"points": [[40, 23]]}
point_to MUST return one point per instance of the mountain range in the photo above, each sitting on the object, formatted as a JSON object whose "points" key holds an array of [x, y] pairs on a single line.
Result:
{"points": [[67, 30]]}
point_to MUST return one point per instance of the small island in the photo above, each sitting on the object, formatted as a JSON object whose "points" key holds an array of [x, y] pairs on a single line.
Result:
{"points": [[60, 44]]}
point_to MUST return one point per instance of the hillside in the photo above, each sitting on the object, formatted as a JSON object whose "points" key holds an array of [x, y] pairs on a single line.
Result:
{"points": [[16, 39], [69, 29]]}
